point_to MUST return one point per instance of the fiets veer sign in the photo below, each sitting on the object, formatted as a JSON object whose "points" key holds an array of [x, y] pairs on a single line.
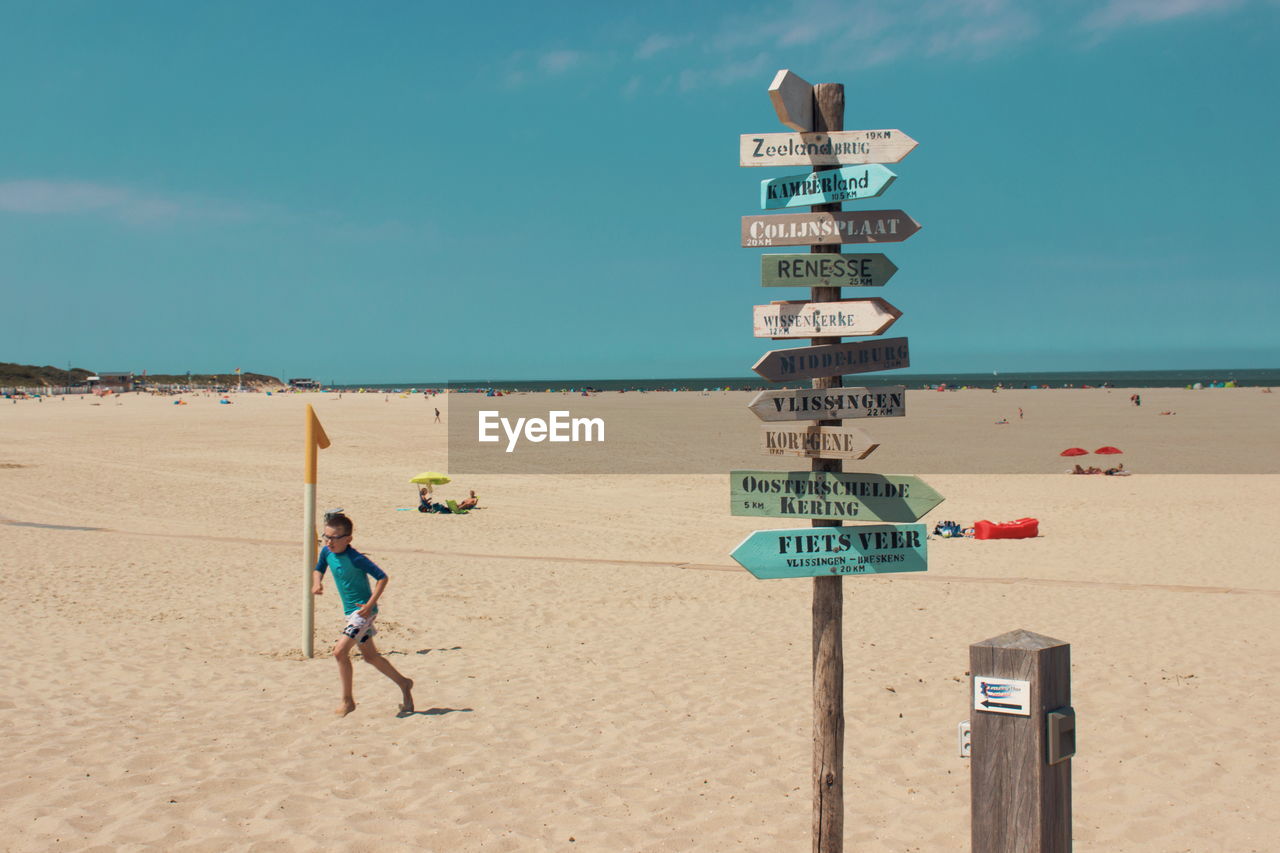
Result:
{"points": [[813, 229], [872, 270], [828, 494], [559, 426], [799, 319], [844, 184], [1002, 695], [780, 365], [816, 551], [838, 148], [816, 442], [828, 404]]}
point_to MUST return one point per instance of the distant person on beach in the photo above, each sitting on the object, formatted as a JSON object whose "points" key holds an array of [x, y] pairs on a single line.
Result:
{"points": [[351, 573], [424, 500], [469, 503], [437, 416]]}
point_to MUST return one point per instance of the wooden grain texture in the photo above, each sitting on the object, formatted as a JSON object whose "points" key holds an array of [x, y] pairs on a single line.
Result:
{"points": [[808, 404], [1020, 803], [812, 441], [833, 359], [827, 269], [801, 319], [822, 228], [821, 148], [830, 494], [828, 593]]}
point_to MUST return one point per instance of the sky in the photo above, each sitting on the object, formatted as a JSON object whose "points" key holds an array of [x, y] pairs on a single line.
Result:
{"points": [[403, 192]]}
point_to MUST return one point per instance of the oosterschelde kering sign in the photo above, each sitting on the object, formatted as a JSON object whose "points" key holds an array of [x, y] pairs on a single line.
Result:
{"points": [[889, 401], [837, 148], [780, 365], [810, 229], [826, 494], [843, 184], [779, 270]]}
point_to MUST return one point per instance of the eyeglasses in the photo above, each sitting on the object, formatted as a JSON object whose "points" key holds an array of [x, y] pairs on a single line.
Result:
{"points": [[326, 537]]}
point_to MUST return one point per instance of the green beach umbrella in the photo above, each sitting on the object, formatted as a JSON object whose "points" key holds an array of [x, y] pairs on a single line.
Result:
{"points": [[430, 478]]}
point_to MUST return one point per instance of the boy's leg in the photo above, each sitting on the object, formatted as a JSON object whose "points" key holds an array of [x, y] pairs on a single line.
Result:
{"points": [[342, 654], [384, 666]]}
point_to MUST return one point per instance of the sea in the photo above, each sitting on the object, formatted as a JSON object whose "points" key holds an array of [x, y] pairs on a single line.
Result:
{"points": [[1071, 379]]}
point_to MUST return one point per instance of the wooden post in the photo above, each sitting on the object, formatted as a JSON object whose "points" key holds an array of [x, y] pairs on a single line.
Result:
{"points": [[315, 440], [1020, 802], [828, 600]]}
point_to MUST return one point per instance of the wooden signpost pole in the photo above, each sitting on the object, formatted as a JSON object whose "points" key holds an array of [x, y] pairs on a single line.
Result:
{"points": [[828, 600]]}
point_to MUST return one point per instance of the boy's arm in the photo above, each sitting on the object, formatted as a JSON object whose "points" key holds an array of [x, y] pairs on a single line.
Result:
{"points": [[378, 587], [317, 583]]}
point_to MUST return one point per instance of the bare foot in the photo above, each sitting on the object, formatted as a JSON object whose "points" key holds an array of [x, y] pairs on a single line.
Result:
{"points": [[345, 708], [406, 707]]}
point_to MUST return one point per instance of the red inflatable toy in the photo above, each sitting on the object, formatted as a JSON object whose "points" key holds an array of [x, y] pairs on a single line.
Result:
{"points": [[1023, 528]]}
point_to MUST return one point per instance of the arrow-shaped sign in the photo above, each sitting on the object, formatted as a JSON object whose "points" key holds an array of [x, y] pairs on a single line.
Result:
{"points": [[1002, 695], [792, 99], [816, 442], [844, 184], [837, 148], [780, 365], [819, 551], [816, 229], [828, 494], [819, 404], [800, 319], [1000, 705], [777, 270]]}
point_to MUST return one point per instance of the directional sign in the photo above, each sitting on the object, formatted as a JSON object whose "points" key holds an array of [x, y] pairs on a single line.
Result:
{"points": [[780, 365], [844, 184], [889, 401], [799, 319], [793, 100], [812, 552], [838, 148], [825, 270], [1001, 695], [814, 229], [816, 442], [827, 494]]}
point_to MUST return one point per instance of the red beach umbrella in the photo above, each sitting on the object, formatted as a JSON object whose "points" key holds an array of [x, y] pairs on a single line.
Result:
{"points": [[1108, 450], [1074, 451]]}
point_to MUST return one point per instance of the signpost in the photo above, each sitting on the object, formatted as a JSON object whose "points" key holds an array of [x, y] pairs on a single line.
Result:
{"points": [[810, 229], [816, 442], [813, 552], [834, 148], [829, 270], [799, 319], [827, 550], [889, 401], [843, 184], [780, 365], [830, 494]]}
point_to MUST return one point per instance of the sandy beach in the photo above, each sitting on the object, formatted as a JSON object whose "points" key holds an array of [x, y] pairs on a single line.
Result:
{"points": [[593, 671]]}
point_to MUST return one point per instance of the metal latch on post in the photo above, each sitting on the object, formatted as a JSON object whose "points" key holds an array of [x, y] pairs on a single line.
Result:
{"points": [[1061, 734]]}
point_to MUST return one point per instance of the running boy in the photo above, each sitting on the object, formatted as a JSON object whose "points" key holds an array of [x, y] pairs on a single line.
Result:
{"points": [[351, 573]]}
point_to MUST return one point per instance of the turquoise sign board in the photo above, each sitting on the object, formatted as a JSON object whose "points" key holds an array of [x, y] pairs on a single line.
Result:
{"points": [[830, 494], [811, 552], [835, 185]]}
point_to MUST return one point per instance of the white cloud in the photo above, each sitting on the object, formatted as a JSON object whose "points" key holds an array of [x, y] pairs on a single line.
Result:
{"points": [[1115, 14], [658, 43], [119, 203], [559, 61]]}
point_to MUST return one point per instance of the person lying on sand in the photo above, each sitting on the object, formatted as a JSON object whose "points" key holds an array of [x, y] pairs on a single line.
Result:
{"points": [[351, 573], [1090, 470], [469, 503]]}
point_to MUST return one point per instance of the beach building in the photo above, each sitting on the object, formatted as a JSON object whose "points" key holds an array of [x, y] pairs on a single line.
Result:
{"points": [[304, 384], [116, 381]]}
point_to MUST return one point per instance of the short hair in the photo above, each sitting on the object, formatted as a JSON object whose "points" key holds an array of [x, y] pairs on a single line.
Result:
{"points": [[338, 519]]}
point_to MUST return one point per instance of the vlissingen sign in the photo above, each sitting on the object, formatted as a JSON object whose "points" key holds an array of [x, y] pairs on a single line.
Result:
{"points": [[816, 442], [838, 148], [816, 404], [778, 270], [826, 494], [799, 319], [814, 551], [844, 184], [842, 226], [780, 365]]}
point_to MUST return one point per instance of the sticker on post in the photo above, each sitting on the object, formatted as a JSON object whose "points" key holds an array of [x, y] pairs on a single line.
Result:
{"points": [[1002, 695]]}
